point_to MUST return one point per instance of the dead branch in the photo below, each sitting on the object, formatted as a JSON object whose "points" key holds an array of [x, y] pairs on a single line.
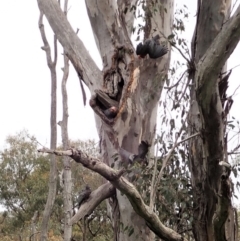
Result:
{"points": [[97, 196], [210, 65], [73, 46], [53, 122], [127, 188], [170, 87]]}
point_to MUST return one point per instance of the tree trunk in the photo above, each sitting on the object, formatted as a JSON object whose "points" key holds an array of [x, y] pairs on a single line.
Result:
{"points": [[211, 192], [53, 136], [138, 104], [133, 87], [33, 226], [134, 84], [67, 173]]}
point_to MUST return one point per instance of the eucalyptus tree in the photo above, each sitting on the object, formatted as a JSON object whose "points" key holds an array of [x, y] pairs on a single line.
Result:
{"points": [[130, 88]]}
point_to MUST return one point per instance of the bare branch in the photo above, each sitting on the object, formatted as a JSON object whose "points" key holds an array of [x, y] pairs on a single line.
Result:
{"points": [[170, 87], [55, 49], [72, 45], [180, 51], [101, 193], [46, 46], [231, 69], [53, 122], [209, 66], [127, 188]]}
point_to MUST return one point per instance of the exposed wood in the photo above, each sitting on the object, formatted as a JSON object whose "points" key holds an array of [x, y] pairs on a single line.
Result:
{"points": [[211, 186], [135, 87]]}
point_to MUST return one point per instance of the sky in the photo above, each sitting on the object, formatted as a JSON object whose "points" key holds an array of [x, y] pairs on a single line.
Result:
{"points": [[25, 77]]}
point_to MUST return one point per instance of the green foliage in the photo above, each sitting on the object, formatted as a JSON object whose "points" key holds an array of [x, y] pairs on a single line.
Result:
{"points": [[174, 191], [24, 175], [98, 225], [23, 181]]}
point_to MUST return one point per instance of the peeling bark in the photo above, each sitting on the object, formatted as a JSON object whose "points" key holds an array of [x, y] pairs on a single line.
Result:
{"points": [[136, 85], [211, 185]]}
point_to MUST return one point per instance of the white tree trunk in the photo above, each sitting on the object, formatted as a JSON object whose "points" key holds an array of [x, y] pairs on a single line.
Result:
{"points": [[138, 108], [51, 62]]}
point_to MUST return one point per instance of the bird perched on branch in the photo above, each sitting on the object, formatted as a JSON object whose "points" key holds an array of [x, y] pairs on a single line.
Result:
{"points": [[140, 157], [151, 47], [83, 195], [111, 112]]}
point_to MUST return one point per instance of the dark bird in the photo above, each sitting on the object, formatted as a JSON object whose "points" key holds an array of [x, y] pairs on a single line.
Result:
{"points": [[111, 112], [151, 47], [83, 195], [143, 149], [140, 157]]}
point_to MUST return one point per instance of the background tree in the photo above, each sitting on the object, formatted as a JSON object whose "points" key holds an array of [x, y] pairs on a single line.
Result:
{"points": [[23, 192], [23, 184], [133, 87], [51, 62]]}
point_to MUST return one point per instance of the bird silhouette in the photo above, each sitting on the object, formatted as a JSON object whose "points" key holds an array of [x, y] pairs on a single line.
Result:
{"points": [[151, 47], [83, 195]]}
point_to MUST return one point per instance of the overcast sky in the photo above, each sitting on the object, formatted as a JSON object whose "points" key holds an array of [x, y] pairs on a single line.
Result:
{"points": [[25, 78]]}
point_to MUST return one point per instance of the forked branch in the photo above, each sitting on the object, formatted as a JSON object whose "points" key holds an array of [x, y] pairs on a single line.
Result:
{"points": [[97, 196], [127, 188], [210, 65], [73, 46]]}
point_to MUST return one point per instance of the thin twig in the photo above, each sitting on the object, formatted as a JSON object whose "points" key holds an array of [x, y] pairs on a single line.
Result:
{"points": [[169, 88], [166, 159], [185, 89], [235, 91], [180, 51], [231, 69]]}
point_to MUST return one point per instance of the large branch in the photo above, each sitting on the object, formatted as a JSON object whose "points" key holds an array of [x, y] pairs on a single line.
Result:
{"points": [[127, 10], [101, 193], [72, 45], [207, 104], [127, 188], [108, 28], [222, 47]]}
